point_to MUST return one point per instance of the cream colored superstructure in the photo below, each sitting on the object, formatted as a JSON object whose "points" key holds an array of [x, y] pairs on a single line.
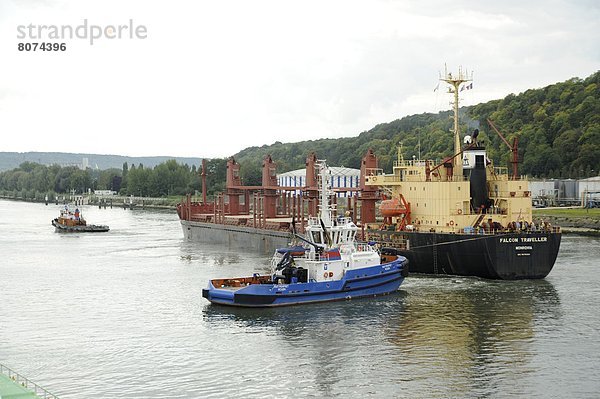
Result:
{"points": [[442, 203], [439, 195]]}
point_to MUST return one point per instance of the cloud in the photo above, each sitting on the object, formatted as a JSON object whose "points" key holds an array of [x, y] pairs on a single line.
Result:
{"points": [[214, 77]]}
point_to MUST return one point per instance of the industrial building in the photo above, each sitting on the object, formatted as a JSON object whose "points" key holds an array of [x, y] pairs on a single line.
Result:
{"points": [[554, 192], [341, 178]]}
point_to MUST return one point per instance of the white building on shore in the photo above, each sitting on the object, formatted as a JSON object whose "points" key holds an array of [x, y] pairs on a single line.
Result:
{"points": [[341, 177], [561, 190]]}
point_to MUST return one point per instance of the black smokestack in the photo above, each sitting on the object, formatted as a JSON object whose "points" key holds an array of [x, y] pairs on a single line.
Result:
{"points": [[479, 192]]}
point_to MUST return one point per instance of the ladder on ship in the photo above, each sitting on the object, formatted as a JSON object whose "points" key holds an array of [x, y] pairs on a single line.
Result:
{"points": [[479, 219], [435, 258]]}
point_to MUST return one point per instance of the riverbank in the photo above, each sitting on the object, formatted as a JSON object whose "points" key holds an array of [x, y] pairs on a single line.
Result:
{"points": [[571, 220], [169, 203]]}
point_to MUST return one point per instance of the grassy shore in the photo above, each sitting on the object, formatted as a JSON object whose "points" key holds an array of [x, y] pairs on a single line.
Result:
{"points": [[593, 213], [575, 220]]}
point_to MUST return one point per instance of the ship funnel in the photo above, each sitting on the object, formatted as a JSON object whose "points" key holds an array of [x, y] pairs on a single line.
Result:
{"points": [[479, 190]]}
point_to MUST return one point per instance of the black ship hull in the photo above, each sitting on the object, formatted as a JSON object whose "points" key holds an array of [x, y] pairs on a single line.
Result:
{"points": [[509, 256]]}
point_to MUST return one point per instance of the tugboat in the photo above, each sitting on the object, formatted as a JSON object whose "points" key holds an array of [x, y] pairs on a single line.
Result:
{"points": [[328, 265], [463, 216], [73, 222]]}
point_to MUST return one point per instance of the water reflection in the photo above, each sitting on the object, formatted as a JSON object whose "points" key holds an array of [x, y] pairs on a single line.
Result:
{"points": [[462, 334], [215, 255], [330, 344], [471, 329]]}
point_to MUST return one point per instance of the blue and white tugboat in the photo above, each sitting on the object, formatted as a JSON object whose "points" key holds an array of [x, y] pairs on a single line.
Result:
{"points": [[329, 265]]}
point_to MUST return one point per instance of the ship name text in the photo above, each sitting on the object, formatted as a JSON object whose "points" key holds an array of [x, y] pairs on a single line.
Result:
{"points": [[523, 239]]}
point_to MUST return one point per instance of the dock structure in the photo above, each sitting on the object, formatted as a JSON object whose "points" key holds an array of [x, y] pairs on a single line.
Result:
{"points": [[14, 386]]}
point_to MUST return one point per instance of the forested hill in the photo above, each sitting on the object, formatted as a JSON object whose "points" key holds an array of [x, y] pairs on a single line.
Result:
{"points": [[558, 128], [11, 160]]}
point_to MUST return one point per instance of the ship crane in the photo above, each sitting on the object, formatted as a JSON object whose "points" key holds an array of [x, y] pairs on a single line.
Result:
{"points": [[514, 149]]}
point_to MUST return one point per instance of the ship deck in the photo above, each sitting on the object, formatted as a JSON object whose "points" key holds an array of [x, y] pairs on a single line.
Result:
{"points": [[12, 389], [204, 216], [14, 385]]}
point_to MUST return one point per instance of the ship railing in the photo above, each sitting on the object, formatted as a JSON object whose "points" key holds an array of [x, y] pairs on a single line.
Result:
{"points": [[501, 173], [415, 163], [458, 178], [364, 247], [417, 177], [492, 210], [314, 221], [342, 220], [393, 238], [500, 170], [510, 194], [314, 256], [527, 230], [392, 179], [442, 179], [24, 382], [373, 172]]}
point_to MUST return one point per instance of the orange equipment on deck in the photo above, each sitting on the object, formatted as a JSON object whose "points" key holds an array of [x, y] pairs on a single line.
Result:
{"points": [[395, 207]]}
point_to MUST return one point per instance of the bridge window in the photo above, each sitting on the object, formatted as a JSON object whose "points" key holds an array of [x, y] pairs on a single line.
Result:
{"points": [[317, 237]]}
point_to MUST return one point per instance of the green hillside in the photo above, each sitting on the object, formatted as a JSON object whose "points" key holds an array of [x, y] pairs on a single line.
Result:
{"points": [[558, 128]]}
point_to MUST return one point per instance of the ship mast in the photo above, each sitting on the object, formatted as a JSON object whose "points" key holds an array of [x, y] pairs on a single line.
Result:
{"points": [[456, 82], [325, 214]]}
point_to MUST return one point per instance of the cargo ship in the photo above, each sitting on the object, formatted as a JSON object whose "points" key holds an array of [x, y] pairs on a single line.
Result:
{"points": [[458, 216]]}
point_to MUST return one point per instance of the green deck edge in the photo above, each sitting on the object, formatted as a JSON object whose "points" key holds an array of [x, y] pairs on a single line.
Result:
{"points": [[10, 389], [15, 386]]}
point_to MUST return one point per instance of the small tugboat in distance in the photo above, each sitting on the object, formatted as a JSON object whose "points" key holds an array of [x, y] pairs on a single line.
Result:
{"points": [[329, 265], [74, 222]]}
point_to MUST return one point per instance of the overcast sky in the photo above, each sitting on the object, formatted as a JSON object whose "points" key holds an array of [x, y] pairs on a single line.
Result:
{"points": [[213, 77]]}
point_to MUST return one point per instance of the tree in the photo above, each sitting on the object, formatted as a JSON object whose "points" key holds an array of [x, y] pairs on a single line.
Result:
{"points": [[124, 172]]}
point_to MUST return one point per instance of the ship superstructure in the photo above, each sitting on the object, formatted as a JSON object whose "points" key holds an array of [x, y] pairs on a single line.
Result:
{"points": [[464, 191], [462, 215], [459, 215]]}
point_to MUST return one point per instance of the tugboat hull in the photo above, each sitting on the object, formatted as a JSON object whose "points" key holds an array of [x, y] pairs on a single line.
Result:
{"points": [[90, 228], [371, 281], [510, 256]]}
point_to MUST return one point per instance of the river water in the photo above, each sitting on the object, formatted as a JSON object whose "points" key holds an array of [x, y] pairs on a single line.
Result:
{"points": [[120, 315]]}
